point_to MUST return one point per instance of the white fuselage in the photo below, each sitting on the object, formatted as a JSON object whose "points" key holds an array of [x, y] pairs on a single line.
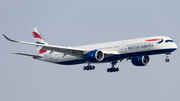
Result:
{"points": [[118, 50]]}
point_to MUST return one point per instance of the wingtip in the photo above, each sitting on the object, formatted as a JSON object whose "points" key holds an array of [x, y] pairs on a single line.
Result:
{"points": [[9, 39], [5, 36], [14, 53]]}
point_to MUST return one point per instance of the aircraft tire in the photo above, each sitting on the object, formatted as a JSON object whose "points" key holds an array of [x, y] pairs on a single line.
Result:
{"points": [[112, 70], [117, 69], [167, 60]]}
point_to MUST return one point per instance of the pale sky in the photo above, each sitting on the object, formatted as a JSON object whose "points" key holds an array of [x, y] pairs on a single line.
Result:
{"points": [[80, 22]]}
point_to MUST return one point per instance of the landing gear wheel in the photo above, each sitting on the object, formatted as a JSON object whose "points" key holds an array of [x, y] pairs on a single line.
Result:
{"points": [[167, 60], [88, 67], [117, 69], [113, 69], [93, 67]]}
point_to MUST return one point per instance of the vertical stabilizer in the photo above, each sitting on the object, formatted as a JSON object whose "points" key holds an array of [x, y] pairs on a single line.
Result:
{"points": [[38, 38]]}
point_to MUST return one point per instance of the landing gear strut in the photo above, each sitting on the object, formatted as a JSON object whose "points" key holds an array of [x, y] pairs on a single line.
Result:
{"points": [[167, 57], [113, 69], [88, 67]]}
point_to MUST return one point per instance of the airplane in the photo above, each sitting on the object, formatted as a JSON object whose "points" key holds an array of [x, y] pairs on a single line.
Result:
{"points": [[136, 50]]}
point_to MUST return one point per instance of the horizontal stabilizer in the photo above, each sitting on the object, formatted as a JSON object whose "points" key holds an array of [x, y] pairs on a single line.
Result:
{"points": [[34, 56]]}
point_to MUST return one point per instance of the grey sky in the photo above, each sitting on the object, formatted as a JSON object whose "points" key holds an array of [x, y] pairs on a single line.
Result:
{"points": [[80, 22]]}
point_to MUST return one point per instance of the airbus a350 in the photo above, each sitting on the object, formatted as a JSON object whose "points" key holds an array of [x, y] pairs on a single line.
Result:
{"points": [[136, 50]]}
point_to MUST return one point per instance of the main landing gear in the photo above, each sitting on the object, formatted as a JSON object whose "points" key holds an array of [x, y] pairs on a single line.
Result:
{"points": [[167, 57], [88, 67], [113, 69]]}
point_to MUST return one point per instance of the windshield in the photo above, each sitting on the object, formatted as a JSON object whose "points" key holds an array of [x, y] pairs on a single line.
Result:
{"points": [[169, 41]]}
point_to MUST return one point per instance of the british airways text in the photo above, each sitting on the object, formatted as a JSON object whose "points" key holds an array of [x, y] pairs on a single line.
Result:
{"points": [[140, 46]]}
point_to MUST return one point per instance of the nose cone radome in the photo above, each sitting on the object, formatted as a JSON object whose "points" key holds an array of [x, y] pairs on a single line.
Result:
{"points": [[174, 46]]}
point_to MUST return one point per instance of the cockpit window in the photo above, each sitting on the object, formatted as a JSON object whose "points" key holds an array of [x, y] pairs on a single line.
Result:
{"points": [[169, 41]]}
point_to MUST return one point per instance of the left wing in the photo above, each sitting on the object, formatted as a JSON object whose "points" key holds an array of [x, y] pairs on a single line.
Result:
{"points": [[66, 50], [77, 52]]}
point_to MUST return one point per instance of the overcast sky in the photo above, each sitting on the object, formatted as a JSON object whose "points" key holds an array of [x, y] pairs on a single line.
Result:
{"points": [[81, 22]]}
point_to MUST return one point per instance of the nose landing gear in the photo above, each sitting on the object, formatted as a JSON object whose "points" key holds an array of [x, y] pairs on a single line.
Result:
{"points": [[167, 57]]}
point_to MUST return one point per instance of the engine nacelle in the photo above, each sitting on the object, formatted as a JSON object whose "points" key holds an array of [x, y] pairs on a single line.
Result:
{"points": [[141, 60], [94, 55]]}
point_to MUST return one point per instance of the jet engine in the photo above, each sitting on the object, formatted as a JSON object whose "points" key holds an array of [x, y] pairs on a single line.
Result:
{"points": [[141, 60], [94, 56]]}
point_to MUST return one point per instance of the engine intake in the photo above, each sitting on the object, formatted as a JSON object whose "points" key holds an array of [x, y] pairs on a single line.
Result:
{"points": [[141, 60], [94, 55]]}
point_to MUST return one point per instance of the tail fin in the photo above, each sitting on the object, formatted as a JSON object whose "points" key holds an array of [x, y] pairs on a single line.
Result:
{"points": [[38, 38]]}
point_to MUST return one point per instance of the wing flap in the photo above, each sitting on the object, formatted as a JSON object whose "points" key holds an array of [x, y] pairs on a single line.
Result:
{"points": [[65, 50]]}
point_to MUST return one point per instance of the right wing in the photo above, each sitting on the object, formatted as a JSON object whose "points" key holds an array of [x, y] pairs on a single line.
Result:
{"points": [[34, 56]]}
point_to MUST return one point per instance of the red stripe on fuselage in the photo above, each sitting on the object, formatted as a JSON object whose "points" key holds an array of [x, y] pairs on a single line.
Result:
{"points": [[36, 35], [155, 39]]}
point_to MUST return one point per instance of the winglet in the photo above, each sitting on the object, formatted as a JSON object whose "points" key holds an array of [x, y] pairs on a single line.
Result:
{"points": [[9, 39]]}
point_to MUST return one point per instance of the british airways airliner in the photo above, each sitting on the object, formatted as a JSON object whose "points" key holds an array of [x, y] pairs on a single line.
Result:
{"points": [[136, 50]]}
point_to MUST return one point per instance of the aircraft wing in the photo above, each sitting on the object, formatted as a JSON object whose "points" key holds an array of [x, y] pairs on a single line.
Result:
{"points": [[79, 53], [65, 50], [34, 56]]}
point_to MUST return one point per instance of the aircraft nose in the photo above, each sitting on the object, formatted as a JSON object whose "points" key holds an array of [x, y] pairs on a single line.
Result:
{"points": [[174, 46]]}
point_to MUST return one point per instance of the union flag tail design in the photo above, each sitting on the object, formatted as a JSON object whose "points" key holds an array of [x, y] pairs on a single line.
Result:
{"points": [[38, 38]]}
